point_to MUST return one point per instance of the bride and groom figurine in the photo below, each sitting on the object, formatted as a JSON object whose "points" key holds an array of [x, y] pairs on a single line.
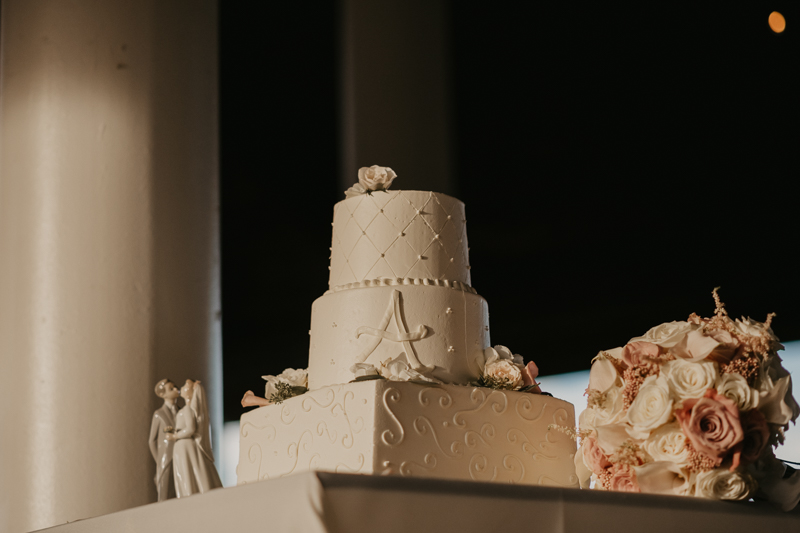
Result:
{"points": [[180, 442]]}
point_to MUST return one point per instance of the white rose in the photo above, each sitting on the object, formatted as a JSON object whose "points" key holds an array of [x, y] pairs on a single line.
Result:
{"points": [[774, 386], [668, 334], [689, 380], [651, 408], [376, 178], [355, 190], [735, 387], [290, 376], [398, 370], [501, 353], [668, 443], [361, 370], [722, 484], [295, 378], [664, 477], [504, 370], [603, 374], [608, 411], [754, 328]]}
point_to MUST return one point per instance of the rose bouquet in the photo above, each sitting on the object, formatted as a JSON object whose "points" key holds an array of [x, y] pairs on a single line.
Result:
{"points": [[691, 408]]}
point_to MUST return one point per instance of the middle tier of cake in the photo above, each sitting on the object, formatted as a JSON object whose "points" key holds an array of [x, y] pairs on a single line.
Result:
{"points": [[438, 327]]}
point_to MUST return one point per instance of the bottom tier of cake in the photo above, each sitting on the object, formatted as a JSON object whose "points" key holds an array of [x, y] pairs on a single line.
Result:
{"points": [[410, 429]]}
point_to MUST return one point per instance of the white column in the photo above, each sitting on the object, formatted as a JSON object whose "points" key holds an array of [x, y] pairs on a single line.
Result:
{"points": [[396, 91], [108, 244]]}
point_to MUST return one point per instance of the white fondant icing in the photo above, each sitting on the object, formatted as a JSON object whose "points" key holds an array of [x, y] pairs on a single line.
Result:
{"points": [[399, 234], [402, 336], [465, 329], [444, 431]]}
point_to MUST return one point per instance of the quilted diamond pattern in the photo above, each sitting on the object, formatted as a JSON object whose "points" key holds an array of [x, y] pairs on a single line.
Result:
{"points": [[382, 233], [363, 258], [401, 225], [381, 269], [365, 212], [399, 211], [418, 235], [434, 215], [348, 236], [401, 257]]}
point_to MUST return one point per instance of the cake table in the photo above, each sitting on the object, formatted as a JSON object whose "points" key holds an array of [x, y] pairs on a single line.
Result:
{"points": [[325, 502]]}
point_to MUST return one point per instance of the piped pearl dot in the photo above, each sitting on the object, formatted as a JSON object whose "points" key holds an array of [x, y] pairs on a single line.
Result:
{"points": [[449, 217], [419, 257], [451, 259], [401, 234], [436, 236]]}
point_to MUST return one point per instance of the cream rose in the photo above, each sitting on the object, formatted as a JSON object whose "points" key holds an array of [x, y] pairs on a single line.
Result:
{"points": [[651, 408], [775, 393], [754, 328], [398, 370], [290, 376], [361, 370], [608, 411], [376, 178], [735, 387], [722, 484], [668, 443], [370, 179], [664, 477], [689, 380], [668, 334], [505, 371]]}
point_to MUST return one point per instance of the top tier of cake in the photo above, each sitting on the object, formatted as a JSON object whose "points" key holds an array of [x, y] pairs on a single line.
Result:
{"points": [[399, 234]]}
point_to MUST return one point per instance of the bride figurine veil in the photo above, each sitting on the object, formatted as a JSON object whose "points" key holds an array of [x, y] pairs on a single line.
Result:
{"points": [[203, 434]]}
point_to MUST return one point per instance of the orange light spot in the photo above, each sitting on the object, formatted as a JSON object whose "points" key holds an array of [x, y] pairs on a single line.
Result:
{"points": [[777, 22]]}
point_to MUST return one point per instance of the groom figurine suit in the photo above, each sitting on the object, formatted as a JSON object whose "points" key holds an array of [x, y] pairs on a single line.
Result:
{"points": [[161, 448]]}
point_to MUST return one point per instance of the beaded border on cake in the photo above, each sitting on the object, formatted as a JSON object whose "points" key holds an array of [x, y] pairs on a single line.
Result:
{"points": [[390, 282]]}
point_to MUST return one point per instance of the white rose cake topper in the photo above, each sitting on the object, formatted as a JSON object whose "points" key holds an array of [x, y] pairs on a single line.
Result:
{"points": [[692, 408], [371, 179]]}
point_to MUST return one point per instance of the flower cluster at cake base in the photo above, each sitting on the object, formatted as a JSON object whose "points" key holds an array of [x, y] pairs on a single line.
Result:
{"points": [[371, 179], [691, 408], [392, 369], [288, 384], [503, 370]]}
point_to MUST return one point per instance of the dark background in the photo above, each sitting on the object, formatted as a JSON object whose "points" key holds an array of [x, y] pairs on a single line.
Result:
{"points": [[617, 164]]}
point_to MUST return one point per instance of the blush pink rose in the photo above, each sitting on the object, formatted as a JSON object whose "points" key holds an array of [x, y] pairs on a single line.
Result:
{"points": [[623, 479], [711, 424], [593, 456], [636, 353]]}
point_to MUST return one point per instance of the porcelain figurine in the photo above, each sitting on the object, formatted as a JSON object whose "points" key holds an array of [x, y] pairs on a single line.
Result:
{"points": [[192, 461], [160, 447]]}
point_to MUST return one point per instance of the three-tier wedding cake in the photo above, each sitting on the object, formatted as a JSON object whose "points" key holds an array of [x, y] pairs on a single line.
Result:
{"points": [[402, 378]]}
